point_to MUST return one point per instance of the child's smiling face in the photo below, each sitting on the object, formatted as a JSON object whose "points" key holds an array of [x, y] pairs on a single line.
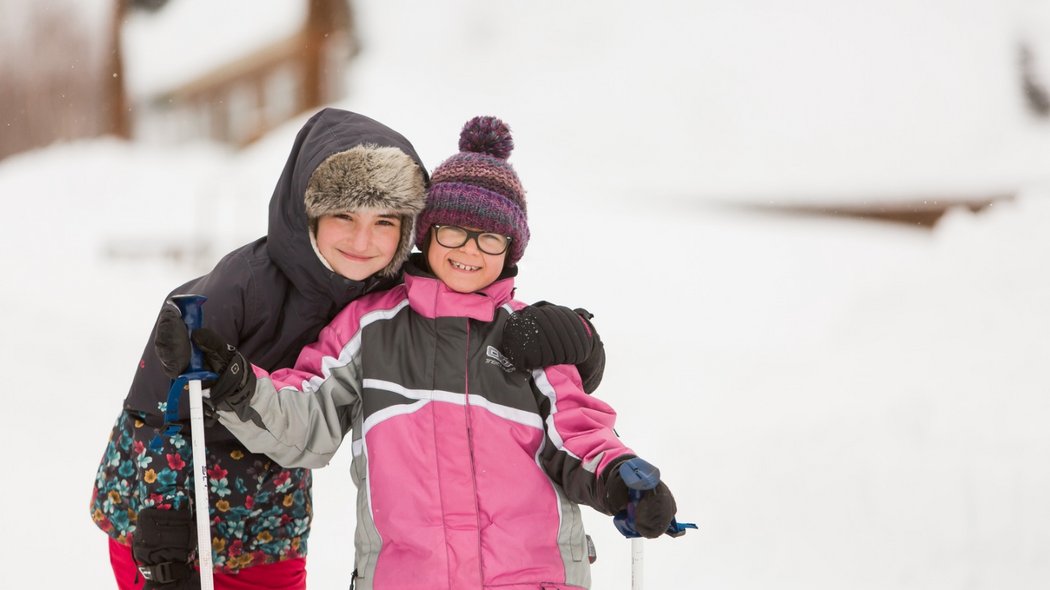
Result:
{"points": [[357, 244], [465, 269]]}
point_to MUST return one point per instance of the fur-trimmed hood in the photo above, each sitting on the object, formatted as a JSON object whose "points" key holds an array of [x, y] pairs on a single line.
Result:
{"points": [[368, 176], [359, 162]]}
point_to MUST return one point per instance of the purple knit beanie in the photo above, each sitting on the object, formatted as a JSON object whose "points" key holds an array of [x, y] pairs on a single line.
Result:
{"points": [[478, 188]]}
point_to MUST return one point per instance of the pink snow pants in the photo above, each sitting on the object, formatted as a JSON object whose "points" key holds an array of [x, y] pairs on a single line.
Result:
{"points": [[289, 574]]}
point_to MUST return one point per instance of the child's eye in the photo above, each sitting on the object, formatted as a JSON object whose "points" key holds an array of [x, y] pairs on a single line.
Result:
{"points": [[344, 216], [387, 223]]}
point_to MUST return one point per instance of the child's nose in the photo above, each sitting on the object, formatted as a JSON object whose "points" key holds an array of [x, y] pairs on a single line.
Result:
{"points": [[361, 238]]}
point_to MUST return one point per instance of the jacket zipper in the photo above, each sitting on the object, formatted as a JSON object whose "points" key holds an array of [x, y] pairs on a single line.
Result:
{"points": [[470, 448]]}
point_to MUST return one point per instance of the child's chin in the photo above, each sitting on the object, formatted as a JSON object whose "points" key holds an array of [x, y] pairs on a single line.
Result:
{"points": [[358, 272], [461, 288]]}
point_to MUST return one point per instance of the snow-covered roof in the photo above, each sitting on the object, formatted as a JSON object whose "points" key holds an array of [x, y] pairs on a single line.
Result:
{"points": [[188, 38], [19, 18]]}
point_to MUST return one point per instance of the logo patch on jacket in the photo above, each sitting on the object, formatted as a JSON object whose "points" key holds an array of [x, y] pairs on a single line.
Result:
{"points": [[496, 358]]}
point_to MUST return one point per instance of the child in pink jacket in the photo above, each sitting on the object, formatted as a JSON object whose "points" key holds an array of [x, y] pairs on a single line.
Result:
{"points": [[469, 472]]}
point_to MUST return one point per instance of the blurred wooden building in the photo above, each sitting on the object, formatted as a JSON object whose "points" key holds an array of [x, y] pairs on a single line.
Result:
{"points": [[60, 73], [239, 96], [147, 69]]}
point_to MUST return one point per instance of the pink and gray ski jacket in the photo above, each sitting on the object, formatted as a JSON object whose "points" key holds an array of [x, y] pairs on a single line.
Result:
{"points": [[469, 473]]}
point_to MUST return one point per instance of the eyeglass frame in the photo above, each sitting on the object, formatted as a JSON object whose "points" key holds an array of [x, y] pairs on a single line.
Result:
{"points": [[476, 235]]}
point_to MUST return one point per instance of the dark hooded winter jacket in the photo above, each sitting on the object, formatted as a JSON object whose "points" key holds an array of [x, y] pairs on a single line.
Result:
{"points": [[269, 298]]}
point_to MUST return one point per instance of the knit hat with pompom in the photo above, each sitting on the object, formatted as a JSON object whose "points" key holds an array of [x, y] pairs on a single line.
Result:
{"points": [[478, 188]]}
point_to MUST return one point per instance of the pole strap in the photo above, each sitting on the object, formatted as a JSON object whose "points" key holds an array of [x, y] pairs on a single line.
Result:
{"points": [[165, 573], [172, 426]]}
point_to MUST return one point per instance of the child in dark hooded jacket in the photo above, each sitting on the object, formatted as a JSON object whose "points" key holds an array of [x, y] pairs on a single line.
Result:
{"points": [[341, 226]]}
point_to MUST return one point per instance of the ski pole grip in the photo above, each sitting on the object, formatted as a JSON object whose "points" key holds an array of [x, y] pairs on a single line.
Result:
{"points": [[639, 475], [192, 309]]}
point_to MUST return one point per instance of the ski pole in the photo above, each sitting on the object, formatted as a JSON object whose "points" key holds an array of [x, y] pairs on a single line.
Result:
{"points": [[637, 562], [640, 476], [193, 316]]}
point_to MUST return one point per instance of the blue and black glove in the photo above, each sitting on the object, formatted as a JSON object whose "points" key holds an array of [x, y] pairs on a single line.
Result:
{"points": [[236, 383], [546, 334]]}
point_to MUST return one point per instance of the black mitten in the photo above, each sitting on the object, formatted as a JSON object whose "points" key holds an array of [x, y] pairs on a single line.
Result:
{"points": [[545, 334], [236, 383], [172, 342], [164, 546], [655, 510]]}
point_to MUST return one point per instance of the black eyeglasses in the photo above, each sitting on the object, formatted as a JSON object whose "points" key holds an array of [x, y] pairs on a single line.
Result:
{"points": [[453, 236]]}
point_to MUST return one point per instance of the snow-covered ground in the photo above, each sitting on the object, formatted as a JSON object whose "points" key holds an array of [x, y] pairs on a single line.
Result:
{"points": [[837, 404]]}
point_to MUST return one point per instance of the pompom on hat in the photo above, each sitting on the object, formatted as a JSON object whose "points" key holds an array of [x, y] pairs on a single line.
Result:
{"points": [[478, 188]]}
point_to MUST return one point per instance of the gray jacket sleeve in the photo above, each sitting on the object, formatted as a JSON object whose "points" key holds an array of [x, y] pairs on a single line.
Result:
{"points": [[300, 426]]}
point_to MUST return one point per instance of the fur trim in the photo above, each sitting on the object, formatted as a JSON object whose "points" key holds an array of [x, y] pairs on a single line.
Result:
{"points": [[369, 177], [365, 176]]}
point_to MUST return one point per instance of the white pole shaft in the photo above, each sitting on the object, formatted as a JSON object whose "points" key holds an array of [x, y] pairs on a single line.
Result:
{"points": [[636, 564], [200, 486]]}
